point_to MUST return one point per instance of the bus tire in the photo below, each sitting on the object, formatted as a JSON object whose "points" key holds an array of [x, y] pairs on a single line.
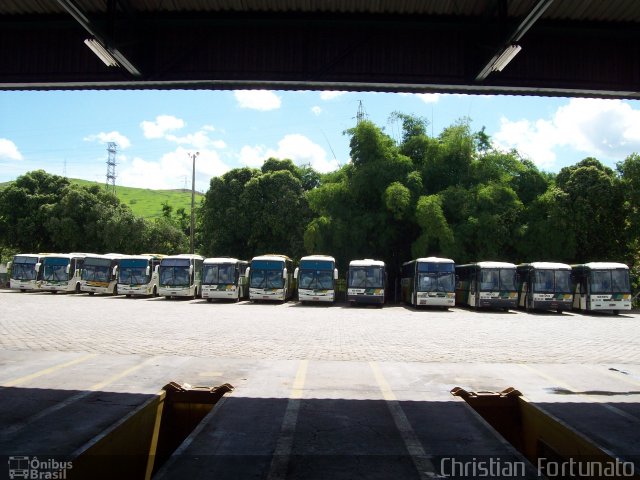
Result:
{"points": [[91, 293], [209, 300], [115, 290], [155, 291], [77, 290], [616, 312]]}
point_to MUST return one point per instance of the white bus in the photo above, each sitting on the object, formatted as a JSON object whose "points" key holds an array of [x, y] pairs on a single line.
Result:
{"points": [[270, 278], [181, 276], [316, 278], [138, 274], [429, 281], [24, 269], [366, 281], [61, 272], [544, 285], [601, 286], [487, 284], [100, 274], [224, 278]]}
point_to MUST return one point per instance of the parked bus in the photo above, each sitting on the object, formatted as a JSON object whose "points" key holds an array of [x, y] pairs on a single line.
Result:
{"points": [[316, 278], [100, 274], [224, 278], [429, 281], [487, 284], [544, 286], [24, 271], [181, 276], [601, 286], [270, 278], [61, 272], [366, 281], [138, 274]]}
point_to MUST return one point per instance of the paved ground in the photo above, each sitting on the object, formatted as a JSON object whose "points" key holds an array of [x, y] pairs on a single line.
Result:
{"points": [[120, 325], [320, 391]]}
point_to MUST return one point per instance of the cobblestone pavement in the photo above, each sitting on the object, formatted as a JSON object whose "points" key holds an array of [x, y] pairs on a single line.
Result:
{"points": [[120, 325]]}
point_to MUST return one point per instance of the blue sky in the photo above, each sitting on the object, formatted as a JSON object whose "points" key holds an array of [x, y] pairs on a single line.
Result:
{"points": [[156, 131]]}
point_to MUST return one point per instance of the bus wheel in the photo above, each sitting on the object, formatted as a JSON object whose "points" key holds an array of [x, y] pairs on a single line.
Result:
{"points": [[616, 312], [91, 293], [128, 295], [209, 300], [115, 290], [155, 291], [77, 288]]}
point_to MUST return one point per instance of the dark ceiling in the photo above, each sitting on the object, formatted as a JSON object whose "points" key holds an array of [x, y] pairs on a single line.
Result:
{"points": [[568, 47]]}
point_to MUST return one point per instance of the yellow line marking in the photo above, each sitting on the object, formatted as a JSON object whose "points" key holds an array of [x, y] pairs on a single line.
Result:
{"points": [[617, 375], [420, 459], [46, 371], [9, 431], [588, 398], [282, 452]]}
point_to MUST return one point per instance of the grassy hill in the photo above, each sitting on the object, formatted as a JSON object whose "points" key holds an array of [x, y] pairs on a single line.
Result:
{"points": [[147, 203], [143, 201]]}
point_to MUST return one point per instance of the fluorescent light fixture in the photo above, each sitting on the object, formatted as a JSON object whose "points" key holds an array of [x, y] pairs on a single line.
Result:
{"points": [[101, 52], [505, 57]]}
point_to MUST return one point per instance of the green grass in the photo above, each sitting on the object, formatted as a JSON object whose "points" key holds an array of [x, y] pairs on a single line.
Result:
{"points": [[144, 202], [147, 203]]}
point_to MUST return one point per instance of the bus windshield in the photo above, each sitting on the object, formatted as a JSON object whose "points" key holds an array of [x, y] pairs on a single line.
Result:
{"points": [[55, 269], [219, 274], [174, 272], [610, 281], [551, 281], [266, 274], [497, 279], [24, 269], [436, 277], [134, 271], [436, 282], [97, 270], [366, 277], [316, 279]]}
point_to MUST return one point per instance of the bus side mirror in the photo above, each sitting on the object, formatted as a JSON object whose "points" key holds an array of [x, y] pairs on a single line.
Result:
{"points": [[335, 273], [284, 272], [156, 268], [37, 266], [295, 273], [114, 272], [68, 269], [246, 272], [190, 269], [148, 270]]}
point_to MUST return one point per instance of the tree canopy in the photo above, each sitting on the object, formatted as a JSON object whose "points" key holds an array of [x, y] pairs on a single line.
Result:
{"points": [[453, 195]]}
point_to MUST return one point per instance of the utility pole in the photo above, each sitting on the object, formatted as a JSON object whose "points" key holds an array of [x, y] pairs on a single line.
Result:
{"points": [[193, 200]]}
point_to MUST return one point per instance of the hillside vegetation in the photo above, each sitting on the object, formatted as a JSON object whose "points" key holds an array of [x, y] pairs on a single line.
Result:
{"points": [[143, 202], [147, 203]]}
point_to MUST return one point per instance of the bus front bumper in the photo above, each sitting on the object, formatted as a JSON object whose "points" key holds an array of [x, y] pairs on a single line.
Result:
{"points": [[222, 292], [316, 295]]}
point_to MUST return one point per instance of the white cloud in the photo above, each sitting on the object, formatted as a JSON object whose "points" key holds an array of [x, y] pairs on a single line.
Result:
{"points": [[162, 125], [330, 95], [295, 147], [9, 150], [257, 99], [425, 97], [316, 110], [172, 169], [608, 129], [429, 97], [105, 137]]}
